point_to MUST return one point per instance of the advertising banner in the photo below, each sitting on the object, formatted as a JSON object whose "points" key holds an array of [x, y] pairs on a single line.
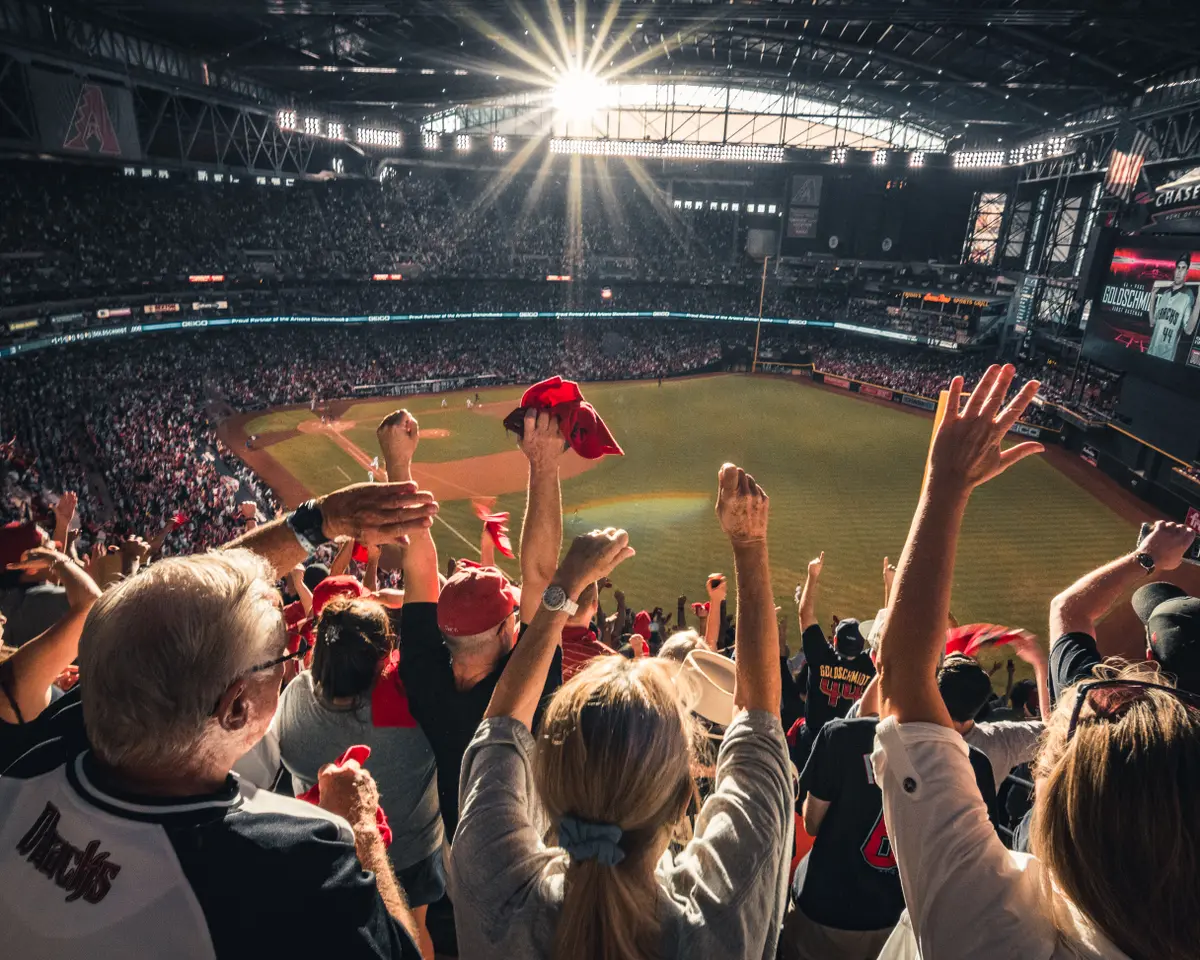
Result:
{"points": [[1025, 430], [873, 391], [802, 223], [920, 403], [837, 381]]}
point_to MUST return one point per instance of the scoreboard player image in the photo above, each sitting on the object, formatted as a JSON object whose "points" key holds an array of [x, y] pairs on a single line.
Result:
{"points": [[1173, 310]]}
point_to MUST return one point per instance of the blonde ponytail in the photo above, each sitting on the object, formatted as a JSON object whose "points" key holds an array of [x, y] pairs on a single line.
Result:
{"points": [[613, 767]]}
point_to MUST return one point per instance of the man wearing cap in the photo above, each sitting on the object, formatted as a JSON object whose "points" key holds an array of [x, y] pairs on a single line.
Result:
{"points": [[1171, 617], [837, 674], [454, 642]]}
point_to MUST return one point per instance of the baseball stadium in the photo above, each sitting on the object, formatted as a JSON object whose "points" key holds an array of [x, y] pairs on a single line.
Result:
{"points": [[600, 479]]}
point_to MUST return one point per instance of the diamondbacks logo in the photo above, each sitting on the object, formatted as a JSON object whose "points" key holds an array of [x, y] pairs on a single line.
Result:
{"points": [[92, 122], [85, 873], [877, 848]]}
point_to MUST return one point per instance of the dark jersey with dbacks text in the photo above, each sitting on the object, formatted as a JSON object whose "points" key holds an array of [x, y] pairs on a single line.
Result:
{"points": [[89, 871], [833, 682]]}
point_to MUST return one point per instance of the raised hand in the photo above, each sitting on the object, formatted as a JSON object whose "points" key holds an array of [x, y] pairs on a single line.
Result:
{"points": [[398, 434], [248, 509], [1167, 543], [717, 588], [966, 445], [889, 573], [742, 506], [374, 513], [135, 548], [541, 439], [816, 565], [592, 556], [64, 510], [40, 560], [1026, 646]]}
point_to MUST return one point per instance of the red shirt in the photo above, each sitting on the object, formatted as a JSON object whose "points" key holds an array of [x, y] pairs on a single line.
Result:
{"points": [[580, 647]]}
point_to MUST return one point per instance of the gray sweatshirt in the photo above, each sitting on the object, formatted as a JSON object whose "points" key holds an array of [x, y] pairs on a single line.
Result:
{"points": [[722, 896]]}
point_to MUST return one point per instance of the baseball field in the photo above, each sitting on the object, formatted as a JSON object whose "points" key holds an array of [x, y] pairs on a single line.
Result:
{"points": [[842, 472]]}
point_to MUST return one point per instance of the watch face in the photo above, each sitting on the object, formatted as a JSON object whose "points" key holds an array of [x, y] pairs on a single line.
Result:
{"points": [[555, 597]]}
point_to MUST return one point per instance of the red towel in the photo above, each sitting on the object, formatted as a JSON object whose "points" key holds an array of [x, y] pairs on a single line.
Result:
{"points": [[389, 702], [581, 425], [496, 526], [359, 753], [969, 639]]}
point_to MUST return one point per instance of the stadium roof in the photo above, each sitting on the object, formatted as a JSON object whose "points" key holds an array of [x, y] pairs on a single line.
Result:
{"points": [[973, 68]]}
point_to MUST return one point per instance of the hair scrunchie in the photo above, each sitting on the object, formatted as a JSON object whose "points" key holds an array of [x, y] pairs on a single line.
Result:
{"points": [[584, 840]]}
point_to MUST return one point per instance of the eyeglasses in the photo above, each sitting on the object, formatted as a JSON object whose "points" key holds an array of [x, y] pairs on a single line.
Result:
{"points": [[300, 651], [1122, 694]]}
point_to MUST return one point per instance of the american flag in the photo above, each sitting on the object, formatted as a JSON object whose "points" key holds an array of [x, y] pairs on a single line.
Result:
{"points": [[1125, 167]]}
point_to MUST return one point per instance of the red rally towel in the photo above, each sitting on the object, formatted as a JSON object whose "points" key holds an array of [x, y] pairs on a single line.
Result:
{"points": [[701, 609], [581, 425], [969, 639], [496, 526], [389, 702], [359, 753]]}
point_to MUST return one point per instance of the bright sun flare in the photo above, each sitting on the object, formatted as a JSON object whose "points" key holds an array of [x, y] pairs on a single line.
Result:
{"points": [[579, 93]]}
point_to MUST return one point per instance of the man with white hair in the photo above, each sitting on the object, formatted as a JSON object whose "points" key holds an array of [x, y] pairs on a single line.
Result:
{"points": [[125, 833]]}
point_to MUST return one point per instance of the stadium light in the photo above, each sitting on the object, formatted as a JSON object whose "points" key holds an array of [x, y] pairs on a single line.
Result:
{"points": [[462, 143], [312, 126], [880, 158], [499, 143], [979, 158], [659, 150], [429, 140], [286, 119], [335, 130], [375, 137], [916, 158], [578, 93], [837, 155]]}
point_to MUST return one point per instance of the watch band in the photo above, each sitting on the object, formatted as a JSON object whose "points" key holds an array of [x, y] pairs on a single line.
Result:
{"points": [[555, 598], [306, 523]]}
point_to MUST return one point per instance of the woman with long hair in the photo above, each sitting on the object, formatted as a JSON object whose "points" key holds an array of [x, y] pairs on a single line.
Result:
{"points": [[1116, 825], [352, 695], [610, 775]]}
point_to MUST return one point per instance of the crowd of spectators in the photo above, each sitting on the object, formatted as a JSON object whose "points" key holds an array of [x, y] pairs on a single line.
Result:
{"points": [[413, 781]]}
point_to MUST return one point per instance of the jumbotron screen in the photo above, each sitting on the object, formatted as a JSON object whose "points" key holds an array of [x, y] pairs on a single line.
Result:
{"points": [[1144, 319]]}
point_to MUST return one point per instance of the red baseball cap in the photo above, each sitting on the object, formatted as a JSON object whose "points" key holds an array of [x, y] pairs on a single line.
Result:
{"points": [[475, 600], [339, 586], [15, 539]]}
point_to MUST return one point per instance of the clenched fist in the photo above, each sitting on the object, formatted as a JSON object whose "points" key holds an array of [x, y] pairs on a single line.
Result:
{"points": [[541, 439], [741, 506], [592, 556], [349, 791], [398, 434]]}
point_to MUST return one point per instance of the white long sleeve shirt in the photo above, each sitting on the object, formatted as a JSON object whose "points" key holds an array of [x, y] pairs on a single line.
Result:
{"points": [[967, 895]]}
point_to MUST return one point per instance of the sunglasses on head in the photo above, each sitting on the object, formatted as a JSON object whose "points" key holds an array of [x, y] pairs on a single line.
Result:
{"points": [[1110, 698]]}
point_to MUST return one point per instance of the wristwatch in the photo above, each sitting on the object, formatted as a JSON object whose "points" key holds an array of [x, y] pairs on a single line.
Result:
{"points": [[307, 523], [1146, 561], [555, 599]]}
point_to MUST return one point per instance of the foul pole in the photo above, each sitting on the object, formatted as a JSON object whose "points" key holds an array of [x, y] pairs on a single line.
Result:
{"points": [[762, 292]]}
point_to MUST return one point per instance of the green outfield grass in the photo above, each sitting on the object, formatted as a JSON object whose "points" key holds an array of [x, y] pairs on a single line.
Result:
{"points": [[842, 474]]}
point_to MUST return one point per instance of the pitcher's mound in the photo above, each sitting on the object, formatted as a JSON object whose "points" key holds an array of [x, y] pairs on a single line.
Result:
{"points": [[434, 433]]}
